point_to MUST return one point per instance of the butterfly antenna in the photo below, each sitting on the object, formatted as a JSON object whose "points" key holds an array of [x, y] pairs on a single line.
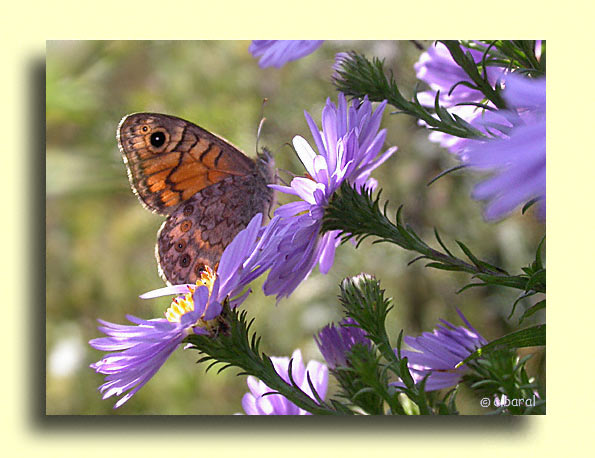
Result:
{"points": [[291, 174], [262, 120]]}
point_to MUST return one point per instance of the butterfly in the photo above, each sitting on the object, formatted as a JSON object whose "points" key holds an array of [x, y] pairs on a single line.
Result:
{"points": [[208, 189]]}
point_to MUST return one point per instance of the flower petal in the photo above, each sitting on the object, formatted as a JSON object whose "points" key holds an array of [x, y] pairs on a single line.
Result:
{"points": [[305, 153], [167, 291]]}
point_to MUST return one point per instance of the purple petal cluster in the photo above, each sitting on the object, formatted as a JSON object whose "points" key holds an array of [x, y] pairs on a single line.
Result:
{"points": [[439, 70], [334, 342], [139, 350], [438, 352], [517, 159], [349, 148], [258, 402], [276, 53]]}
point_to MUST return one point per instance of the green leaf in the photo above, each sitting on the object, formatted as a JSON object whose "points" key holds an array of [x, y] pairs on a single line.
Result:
{"points": [[537, 281], [408, 405], [531, 310], [521, 297], [444, 247], [529, 337], [438, 265], [470, 285], [445, 172], [478, 262]]}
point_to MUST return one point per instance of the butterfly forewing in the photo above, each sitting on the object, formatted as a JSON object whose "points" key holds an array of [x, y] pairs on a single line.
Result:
{"points": [[170, 159]]}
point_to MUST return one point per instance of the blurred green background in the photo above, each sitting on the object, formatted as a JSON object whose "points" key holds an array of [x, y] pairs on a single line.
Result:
{"points": [[100, 241]]}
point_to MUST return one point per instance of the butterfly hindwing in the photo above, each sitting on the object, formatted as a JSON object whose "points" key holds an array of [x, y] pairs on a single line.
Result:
{"points": [[195, 235]]}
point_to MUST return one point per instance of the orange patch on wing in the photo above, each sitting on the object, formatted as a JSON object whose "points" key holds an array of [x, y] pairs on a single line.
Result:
{"points": [[169, 198], [161, 162], [197, 150], [197, 182], [156, 182], [225, 162], [187, 172], [215, 176], [187, 193], [209, 158]]}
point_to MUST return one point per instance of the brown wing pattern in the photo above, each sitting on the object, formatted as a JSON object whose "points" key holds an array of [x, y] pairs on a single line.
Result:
{"points": [[207, 187], [170, 159], [195, 235]]}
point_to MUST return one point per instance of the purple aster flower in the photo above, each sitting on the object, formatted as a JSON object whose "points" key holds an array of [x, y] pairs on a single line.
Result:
{"points": [[517, 159], [349, 148], [439, 70], [256, 403], [334, 342], [276, 53], [138, 351], [438, 352]]}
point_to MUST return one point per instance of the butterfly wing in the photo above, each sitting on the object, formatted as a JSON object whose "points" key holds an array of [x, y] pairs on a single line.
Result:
{"points": [[170, 159], [195, 235]]}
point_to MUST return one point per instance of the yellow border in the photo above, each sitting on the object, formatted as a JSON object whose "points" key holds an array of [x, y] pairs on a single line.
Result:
{"points": [[570, 314]]}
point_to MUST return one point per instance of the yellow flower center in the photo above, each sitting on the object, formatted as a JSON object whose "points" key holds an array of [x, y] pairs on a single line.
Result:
{"points": [[207, 278], [184, 304]]}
